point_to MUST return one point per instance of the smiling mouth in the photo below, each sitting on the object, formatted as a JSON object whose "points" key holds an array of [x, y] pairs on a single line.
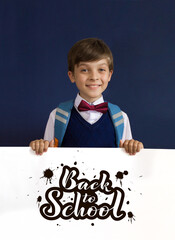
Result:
{"points": [[93, 86]]}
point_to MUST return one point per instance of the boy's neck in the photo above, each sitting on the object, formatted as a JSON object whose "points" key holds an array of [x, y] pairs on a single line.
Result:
{"points": [[92, 100], [79, 98]]}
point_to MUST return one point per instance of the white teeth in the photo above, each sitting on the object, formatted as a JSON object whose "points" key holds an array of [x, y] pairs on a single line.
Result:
{"points": [[94, 86]]}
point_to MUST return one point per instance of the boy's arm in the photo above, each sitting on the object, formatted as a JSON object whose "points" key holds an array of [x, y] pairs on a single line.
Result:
{"points": [[131, 146], [40, 146], [127, 128], [49, 131]]}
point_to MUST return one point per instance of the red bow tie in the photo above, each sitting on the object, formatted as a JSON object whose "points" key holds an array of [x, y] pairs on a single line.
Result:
{"points": [[84, 106]]}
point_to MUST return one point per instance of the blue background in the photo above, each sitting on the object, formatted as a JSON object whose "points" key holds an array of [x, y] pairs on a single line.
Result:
{"points": [[35, 37]]}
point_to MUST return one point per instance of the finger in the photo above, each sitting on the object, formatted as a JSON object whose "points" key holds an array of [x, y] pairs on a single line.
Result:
{"points": [[121, 144], [51, 144], [36, 146], [125, 145], [130, 147], [41, 146], [32, 145], [46, 145], [135, 147], [139, 146]]}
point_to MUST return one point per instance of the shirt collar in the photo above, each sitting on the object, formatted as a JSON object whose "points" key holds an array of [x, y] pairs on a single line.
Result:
{"points": [[79, 98]]}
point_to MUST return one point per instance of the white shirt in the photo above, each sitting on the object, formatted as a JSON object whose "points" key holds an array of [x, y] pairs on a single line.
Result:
{"points": [[90, 116]]}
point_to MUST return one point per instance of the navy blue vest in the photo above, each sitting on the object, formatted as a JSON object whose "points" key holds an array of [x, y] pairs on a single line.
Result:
{"points": [[63, 114], [80, 133]]}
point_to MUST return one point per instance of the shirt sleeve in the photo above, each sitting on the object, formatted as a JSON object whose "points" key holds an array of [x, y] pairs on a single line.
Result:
{"points": [[49, 131], [127, 135]]}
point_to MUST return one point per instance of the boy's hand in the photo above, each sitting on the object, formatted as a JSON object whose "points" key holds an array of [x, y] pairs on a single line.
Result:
{"points": [[40, 146], [131, 146]]}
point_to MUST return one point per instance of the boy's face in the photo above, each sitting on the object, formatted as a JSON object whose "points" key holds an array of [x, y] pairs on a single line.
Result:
{"points": [[91, 78]]}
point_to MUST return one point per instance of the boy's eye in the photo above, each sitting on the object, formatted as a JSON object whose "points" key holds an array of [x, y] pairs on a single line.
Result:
{"points": [[84, 70], [101, 69]]}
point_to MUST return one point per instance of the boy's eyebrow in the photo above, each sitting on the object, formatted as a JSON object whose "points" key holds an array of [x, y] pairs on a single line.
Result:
{"points": [[85, 64], [81, 64]]}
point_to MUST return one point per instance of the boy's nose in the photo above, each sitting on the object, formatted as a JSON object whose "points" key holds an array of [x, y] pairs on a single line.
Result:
{"points": [[94, 75]]}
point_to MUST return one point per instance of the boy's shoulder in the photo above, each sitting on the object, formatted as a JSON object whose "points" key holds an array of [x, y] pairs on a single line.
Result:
{"points": [[67, 105], [63, 108], [112, 105], [114, 109]]}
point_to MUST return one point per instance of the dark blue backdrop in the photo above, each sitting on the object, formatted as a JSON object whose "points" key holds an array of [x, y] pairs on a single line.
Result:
{"points": [[35, 36]]}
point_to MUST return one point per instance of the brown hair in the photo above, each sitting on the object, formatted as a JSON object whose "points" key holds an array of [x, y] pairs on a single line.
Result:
{"points": [[89, 49]]}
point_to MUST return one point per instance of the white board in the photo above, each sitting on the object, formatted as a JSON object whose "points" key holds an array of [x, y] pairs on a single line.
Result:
{"points": [[139, 200]]}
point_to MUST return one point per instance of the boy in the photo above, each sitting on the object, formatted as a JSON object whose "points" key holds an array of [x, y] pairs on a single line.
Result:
{"points": [[88, 121]]}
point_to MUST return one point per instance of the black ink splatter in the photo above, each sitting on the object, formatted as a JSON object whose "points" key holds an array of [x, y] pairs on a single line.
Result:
{"points": [[62, 164], [92, 224], [131, 217], [129, 189], [39, 199], [120, 176], [75, 163], [127, 202], [95, 176], [48, 173]]}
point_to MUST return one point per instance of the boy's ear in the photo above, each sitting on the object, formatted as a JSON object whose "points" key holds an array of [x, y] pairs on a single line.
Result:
{"points": [[71, 76], [110, 74]]}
